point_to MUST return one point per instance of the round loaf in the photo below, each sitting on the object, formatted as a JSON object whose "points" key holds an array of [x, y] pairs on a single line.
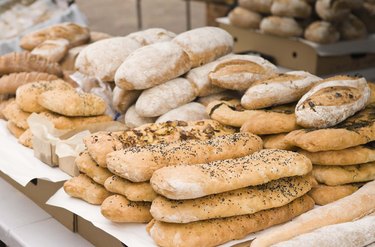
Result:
{"points": [[244, 18], [123, 99], [291, 8], [190, 112], [132, 119], [332, 10], [352, 28], [322, 32], [260, 6], [280, 26], [152, 35]]}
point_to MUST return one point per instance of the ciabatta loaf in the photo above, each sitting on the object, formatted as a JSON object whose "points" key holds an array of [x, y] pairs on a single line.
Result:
{"points": [[88, 166], [161, 61], [133, 119], [189, 112], [193, 181], [332, 101], [218, 231], [52, 50], [139, 163], [204, 44], [123, 99], [357, 205]]}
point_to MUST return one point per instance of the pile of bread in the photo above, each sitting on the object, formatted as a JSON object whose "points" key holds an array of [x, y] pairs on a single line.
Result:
{"points": [[320, 21]]}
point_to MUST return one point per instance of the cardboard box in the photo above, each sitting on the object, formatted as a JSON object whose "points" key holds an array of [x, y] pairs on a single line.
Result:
{"points": [[39, 191], [96, 236], [294, 54]]}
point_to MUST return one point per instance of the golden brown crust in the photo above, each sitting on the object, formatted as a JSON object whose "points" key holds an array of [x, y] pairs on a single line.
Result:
{"points": [[244, 18], [16, 62], [3, 105], [26, 139], [86, 189], [13, 113], [88, 166], [117, 208], [52, 50], [323, 194], [276, 142], [133, 191], [14, 130], [218, 231]]}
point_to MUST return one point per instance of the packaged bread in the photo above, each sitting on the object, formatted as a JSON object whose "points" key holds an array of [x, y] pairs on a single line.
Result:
{"points": [[332, 101], [123, 99], [244, 18], [152, 35], [27, 95], [86, 189], [291, 8], [188, 182], [74, 33], [117, 208], [102, 143], [281, 26], [24, 61], [322, 32], [238, 72], [12, 112], [14, 129], [204, 44], [261, 6], [163, 61], [88, 166], [325, 194], [80, 103], [332, 10], [52, 50], [26, 138], [156, 101], [358, 204], [10, 83], [218, 231], [243, 201], [352, 28], [189, 112], [133, 119], [133, 191], [279, 89], [137, 164]]}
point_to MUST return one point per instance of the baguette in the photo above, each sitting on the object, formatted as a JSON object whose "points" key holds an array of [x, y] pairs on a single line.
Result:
{"points": [[237, 202], [218, 231], [137, 164], [117, 208], [192, 111], [324, 194], [132, 191], [360, 203], [52, 50], [188, 182], [88, 166]]}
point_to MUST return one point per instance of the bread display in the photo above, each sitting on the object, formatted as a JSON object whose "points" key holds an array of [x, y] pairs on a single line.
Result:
{"points": [[189, 112], [280, 26], [133, 191], [16, 62], [137, 164], [322, 32], [123, 99], [218, 231], [324, 194], [75, 34], [261, 6], [204, 44], [87, 166], [278, 90], [244, 18], [358, 204], [240, 202], [133, 119], [86, 189], [169, 58], [14, 129], [291, 8], [27, 96], [52, 50], [332, 101], [117, 208], [175, 182]]}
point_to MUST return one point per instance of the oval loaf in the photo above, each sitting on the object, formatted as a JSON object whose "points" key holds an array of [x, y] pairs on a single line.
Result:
{"points": [[190, 112]]}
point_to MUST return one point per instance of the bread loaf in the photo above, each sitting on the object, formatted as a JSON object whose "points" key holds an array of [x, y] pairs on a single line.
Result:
{"points": [[291, 8], [3, 105], [86, 189], [189, 112], [133, 119], [322, 32], [223, 96], [324, 194], [237, 202], [132, 191], [187, 181], [88, 166], [102, 143], [139, 163], [218, 231], [96, 36], [156, 101], [163, 62], [16, 62], [123, 99], [74, 33], [238, 72], [14, 130], [261, 6], [13, 113], [360, 203], [117, 208], [352, 28], [152, 35], [278, 90], [52, 50], [244, 18], [281, 26], [27, 96], [332, 101], [332, 10], [277, 141], [26, 139], [68, 62], [10, 83], [204, 44]]}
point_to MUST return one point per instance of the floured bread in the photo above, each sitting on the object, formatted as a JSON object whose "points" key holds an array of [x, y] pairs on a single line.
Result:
{"points": [[278, 90], [102, 143], [192, 111], [52, 50], [349, 156], [80, 103], [133, 119], [204, 44], [281, 26], [16, 62], [68, 62], [86, 189], [27, 96], [188, 182], [332, 101], [261, 6], [237, 202], [291, 8], [123, 99], [338, 175], [218, 231], [152, 35], [26, 138], [14, 130], [10, 83], [356, 130], [74, 33], [277, 141], [324, 194], [117, 208], [13, 113], [238, 72], [244, 18], [223, 96], [88, 166], [322, 32]]}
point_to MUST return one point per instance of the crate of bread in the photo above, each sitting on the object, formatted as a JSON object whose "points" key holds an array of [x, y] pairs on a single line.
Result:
{"points": [[219, 145]]}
